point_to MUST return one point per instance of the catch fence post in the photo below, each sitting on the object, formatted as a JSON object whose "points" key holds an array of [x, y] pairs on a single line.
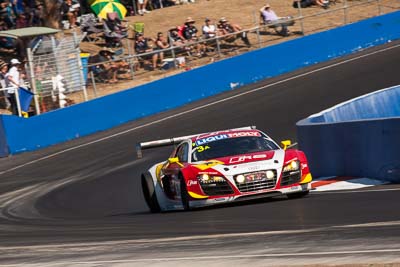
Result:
{"points": [[301, 17], [379, 7], [16, 95], [33, 80], [218, 45], [257, 29], [131, 68], [345, 12], [94, 84], [81, 76]]}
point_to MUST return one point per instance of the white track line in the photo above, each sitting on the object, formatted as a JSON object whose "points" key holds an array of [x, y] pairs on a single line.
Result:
{"points": [[214, 257], [199, 108], [352, 192]]}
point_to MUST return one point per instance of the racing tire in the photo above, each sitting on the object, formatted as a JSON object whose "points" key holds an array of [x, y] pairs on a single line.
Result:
{"points": [[184, 195], [298, 194], [149, 193]]}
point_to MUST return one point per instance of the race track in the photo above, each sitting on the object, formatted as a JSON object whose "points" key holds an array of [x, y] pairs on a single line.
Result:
{"points": [[80, 203]]}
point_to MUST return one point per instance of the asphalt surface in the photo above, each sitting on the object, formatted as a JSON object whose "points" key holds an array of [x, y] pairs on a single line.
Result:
{"points": [[80, 203]]}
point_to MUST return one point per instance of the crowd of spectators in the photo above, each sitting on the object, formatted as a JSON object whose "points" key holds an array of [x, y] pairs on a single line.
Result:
{"points": [[20, 13], [187, 38]]}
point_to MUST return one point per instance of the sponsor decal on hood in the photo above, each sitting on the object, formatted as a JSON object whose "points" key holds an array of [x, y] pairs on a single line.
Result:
{"points": [[251, 157], [241, 159]]}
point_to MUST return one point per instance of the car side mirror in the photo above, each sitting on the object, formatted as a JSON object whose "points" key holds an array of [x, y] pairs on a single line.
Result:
{"points": [[285, 144], [175, 160]]}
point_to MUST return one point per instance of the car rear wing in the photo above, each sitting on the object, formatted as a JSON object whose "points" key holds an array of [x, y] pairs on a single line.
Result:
{"points": [[176, 140]]}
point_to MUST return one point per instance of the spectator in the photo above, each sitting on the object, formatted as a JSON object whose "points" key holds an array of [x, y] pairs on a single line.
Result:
{"points": [[167, 3], [13, 82], [115, 25], [85, 7], [3, 72], [308, 3], [209, 29], [190, 34], [175, 38], [106, 71], [7, 14], [227, 28], [114, 30], [269, 17], [189, 30], [34, 12], [161, 43], [69, 11], [18, 7], [142, 7], [142, 46]]}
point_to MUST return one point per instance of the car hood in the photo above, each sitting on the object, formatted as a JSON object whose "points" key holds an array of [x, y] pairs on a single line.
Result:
{"points": [[243, 163]]}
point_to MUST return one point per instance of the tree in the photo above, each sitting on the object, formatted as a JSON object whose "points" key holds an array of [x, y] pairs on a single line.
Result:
{"points": [[51, 13]]}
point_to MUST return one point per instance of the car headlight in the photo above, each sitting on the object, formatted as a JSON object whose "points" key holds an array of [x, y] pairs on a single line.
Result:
{"points": [[270, 174], [292, 166], [209, 179], [240, 178]]}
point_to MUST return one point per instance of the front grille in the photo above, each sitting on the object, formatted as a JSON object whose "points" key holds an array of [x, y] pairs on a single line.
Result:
{"points": [[291, 177], [255, 181], [216, 188]]}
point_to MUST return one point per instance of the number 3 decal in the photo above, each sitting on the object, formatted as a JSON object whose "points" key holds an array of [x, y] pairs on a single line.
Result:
{"points": [[202, 148]]}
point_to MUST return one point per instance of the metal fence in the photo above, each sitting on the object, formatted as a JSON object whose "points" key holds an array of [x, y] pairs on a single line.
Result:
{"points": [[10, 94], [55, 70]]}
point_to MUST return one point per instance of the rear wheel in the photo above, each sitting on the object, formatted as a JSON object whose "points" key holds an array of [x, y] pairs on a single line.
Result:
{"points": [[149, 192], [298, 194]]}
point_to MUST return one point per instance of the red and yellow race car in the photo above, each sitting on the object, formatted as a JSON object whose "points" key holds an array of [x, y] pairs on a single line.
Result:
{"points": [[221, 167]]}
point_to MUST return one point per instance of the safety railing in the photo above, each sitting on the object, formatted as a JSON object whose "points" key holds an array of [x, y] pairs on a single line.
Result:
{"points": [[15, 101]]}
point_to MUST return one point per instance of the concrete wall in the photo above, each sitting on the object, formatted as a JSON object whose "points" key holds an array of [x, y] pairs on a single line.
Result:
{"points": [[359, 138], [103, 113]]}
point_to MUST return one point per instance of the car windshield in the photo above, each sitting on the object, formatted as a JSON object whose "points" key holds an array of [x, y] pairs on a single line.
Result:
{"points": [[232, 146]]}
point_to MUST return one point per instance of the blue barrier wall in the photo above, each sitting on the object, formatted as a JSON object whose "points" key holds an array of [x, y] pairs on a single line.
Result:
{"points": [[380, 105], [3, 140], [103, 113], [358, 138]]}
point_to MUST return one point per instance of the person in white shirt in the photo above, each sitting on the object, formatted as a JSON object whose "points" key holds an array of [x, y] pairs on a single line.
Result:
{"points": [[3, 94], [269, 17], [209, 30], [13, 83]]}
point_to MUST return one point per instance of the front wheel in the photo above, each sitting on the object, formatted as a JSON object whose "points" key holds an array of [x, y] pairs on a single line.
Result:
{"points": [[149, 192], [298, 194], [184, 195]]}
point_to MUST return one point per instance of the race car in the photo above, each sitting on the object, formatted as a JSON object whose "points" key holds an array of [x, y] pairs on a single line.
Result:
{"points": [[221, 167]]}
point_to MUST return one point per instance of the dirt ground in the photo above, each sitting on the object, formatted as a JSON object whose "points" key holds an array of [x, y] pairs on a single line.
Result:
{"points": [[244, 13]]}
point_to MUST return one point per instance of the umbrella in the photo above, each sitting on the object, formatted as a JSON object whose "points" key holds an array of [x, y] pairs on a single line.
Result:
{"points": [[102, 7]]}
